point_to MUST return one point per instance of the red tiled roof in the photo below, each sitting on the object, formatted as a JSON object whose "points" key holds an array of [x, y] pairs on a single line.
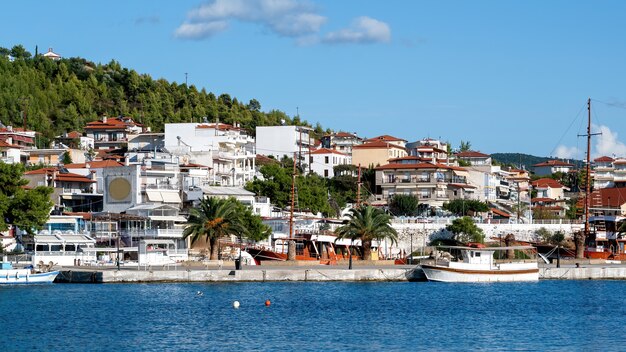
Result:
{"points": [[111, 123], [612, 197], [553, 163], [500, 212], [547, 207], [4, 144], [404, 158], [619, 162], [74, 134], [45, 170], [547, 182], [98, 164], [344, 134], [544, 200], [471, 154], [407, 166], [219, 126], [377, 144], [84, 215], [603, 159], [386, 138], [326, 151]]}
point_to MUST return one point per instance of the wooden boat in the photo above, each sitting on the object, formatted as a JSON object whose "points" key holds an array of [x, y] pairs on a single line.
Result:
{"points": [[604, 240], [11, 275], [470, 264]]}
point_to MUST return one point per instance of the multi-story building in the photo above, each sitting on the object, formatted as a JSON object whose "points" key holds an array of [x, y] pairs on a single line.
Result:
{"points": [[75, 140], [551, 166], [112, 132], [9, 153], [474, 158], [228, 151], [17, 136], [341, 141], [375, 152], [609, 172], [429, 150], [323, 161], [433, 184], [281, 141], [72, 192]]}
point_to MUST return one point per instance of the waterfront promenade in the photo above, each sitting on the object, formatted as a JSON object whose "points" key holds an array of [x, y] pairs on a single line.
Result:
{"points": [[306, 272]]}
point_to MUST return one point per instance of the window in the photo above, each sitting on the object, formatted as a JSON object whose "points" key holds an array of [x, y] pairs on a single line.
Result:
{"points": [[326, 160], [326, 173]]}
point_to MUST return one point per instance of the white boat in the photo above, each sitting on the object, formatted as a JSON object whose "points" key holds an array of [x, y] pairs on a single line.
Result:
{"points": [[478, 265], [11, 275]]}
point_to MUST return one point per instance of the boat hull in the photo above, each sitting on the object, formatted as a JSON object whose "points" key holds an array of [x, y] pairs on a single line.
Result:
{"points": [[447, 274], [24, 276]]}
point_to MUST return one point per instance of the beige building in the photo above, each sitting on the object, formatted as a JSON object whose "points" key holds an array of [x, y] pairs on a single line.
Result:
{"points": [[376, 153]]}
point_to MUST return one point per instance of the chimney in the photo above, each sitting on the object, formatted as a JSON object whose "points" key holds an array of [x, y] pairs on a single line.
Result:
{"points": [[104, 118], [10, 128]]}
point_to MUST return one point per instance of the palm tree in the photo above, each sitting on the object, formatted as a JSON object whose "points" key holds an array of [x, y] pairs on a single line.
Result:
{"points": [[213, 219], [367, 224]]}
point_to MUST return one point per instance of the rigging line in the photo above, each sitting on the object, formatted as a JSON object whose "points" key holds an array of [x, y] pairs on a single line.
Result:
{"points": [[568, 128], [615, 105]]}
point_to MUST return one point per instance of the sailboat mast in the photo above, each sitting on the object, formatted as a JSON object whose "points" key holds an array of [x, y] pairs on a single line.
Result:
{"points": [[588, 168], [293, 196]]}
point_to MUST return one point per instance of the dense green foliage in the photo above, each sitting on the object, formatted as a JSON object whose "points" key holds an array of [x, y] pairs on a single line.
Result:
{"points": [[61, 96], [465, 230], [214, 219], [367, 223], [463, 207], [28, 209], [312, 190], [403, 205]]}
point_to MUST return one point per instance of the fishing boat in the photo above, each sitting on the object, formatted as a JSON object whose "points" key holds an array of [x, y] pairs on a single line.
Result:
{"points": [[470, 264], [11, 275], [604, 239]]}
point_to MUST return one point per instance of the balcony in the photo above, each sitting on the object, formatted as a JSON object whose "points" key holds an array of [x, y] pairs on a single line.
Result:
{"points": [[160, 186]]}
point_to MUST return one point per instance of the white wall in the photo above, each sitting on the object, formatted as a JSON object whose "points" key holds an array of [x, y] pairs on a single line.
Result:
{"points": [[277, 141]]}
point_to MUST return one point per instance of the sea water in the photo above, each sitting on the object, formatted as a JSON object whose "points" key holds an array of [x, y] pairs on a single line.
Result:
{"points": [[305, 316]]}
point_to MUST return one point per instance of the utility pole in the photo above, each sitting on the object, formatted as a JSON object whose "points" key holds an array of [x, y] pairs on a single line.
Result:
{"points": [[358, 188]]}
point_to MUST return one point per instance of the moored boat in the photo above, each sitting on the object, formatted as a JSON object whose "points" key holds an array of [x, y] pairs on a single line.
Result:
{"points": [[469, 264], [11, 275]]}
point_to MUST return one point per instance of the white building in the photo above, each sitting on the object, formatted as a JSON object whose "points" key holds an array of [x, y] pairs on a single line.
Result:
{"points": [[324, 160], [227, 150], [281, 141]]}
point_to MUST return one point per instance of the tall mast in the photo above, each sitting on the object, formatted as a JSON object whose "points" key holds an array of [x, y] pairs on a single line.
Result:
{"points": [[588, 168], [293, 196], [358, 189]]}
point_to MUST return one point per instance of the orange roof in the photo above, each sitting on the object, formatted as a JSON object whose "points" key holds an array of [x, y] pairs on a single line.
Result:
{"points": [[553, 163], [471, 154], [612, 197], [410, 157], [45, 170], [377, 144], [547, 182], [603, 159], [408, 166], [326, 151], [98, 164], [345, 134], [74, 134], [544, 200], [111, 123], [500, 212], [4, 144], [386, 138]]}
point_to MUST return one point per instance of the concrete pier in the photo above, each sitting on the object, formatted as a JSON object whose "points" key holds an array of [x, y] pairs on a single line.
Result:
{"points": [[266, 274]]}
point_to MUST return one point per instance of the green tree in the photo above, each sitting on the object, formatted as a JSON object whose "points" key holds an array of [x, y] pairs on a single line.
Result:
{"points": [[544, 234], [367, 223], [465, 146], [256, 229], [465, 230], [66, 158], [403, 205], [212, 220], [463, 207], [28, 209]]}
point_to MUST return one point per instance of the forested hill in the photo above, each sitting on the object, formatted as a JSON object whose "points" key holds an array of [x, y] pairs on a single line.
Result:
{"points": [[61, 96], [525, 161]]}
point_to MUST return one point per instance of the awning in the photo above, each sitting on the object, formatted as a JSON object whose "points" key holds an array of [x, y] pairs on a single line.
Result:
{"points": [[154, 196], [170, 197], [178, 218], [461, 173]]}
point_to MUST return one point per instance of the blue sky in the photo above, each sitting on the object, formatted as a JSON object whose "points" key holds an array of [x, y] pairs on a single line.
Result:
{"points": [[508, 76]]}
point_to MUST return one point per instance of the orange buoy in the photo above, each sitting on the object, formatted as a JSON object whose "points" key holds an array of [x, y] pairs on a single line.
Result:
{"points": [[267, 303]]}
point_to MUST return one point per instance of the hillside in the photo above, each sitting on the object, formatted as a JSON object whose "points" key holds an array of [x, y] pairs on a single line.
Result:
{"points": [[525, 161], [54, 97]]}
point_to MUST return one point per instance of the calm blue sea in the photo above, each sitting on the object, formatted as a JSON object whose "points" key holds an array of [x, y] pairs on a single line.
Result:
{"points": [[548, 315]]}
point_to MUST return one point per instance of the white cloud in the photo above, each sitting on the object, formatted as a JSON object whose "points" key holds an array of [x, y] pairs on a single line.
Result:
{"points": [[565, 152], [200, 30], [297, 19], [607, 143], [363, 30], [290, 18]]}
